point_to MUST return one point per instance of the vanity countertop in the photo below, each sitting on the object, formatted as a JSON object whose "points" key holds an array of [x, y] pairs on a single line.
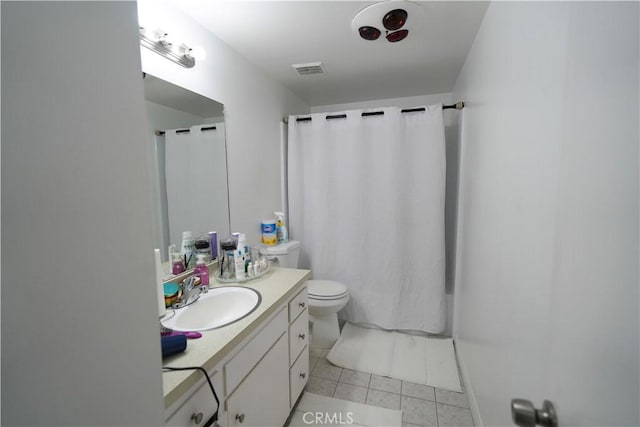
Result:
{"points": [[276, 287]]}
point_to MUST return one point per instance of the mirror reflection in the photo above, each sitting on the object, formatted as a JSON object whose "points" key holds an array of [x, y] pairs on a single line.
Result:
{"points": [[191, 165]]}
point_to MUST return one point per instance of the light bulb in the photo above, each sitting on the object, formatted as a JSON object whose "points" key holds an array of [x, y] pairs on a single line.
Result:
{"points": [[196, 53], [163, 38]]}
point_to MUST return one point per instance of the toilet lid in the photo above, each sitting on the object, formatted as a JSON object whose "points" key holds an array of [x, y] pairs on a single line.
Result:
{"points": [[326, 289]]}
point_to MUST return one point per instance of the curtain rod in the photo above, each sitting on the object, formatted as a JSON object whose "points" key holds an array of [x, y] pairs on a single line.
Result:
{"points": [[456, 106], [161, 132]]}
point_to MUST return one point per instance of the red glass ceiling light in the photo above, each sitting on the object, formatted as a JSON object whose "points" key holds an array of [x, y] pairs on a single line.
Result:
{"points": [[369, 33], [396, 36], [389, 17], [395, 19]]}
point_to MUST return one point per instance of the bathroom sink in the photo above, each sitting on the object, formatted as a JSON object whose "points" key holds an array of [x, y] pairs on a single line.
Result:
{"points": [[220, 306]]}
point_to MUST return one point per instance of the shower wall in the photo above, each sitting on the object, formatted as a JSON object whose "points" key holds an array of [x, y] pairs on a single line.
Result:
{"points": [[547, 277]]}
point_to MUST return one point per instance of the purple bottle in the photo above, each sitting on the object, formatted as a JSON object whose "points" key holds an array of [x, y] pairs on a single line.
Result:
{"points": [[177, 264], [213, 244], [201, 270]]}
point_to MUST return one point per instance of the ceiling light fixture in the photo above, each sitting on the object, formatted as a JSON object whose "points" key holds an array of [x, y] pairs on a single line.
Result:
{"points": [[160, 42], [393, 17]]}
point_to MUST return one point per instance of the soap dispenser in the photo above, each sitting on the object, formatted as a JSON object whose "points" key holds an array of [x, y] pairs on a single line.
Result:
{"points": [[201, 270], [177, 263]]}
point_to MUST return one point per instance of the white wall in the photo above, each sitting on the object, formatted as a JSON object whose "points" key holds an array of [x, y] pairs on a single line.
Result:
{"points": [[79, 317], [451, 197], [160, 117], [405, 102], [547, 277], [254, 106]]}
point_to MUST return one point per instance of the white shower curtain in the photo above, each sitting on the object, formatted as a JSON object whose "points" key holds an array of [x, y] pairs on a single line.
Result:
{"points": [[366, 201], [192, 177]]}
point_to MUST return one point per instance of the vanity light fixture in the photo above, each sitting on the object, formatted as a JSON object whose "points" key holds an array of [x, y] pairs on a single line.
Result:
{"points": [[160, 42]]}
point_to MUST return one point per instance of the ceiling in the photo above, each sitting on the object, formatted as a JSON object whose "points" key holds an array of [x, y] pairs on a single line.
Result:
{"points": [[274, 35]]}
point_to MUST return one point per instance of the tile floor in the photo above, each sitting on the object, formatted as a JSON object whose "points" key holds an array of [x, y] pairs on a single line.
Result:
{"points": [[421, 405]]}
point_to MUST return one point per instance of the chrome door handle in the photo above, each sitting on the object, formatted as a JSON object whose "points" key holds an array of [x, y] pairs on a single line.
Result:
{"points": [[525, 414]]}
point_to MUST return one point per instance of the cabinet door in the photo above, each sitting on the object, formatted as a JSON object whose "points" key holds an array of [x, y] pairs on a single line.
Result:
{"points": [[297, 304], [242, 363], [198, 409], [262, 399], [298, 336], [299, 376]]}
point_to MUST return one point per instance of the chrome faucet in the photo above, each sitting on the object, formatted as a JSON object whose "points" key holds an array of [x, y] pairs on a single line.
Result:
{"points": [[190, 292]]}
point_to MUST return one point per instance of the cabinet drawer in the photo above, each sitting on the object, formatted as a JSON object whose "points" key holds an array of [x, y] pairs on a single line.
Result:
{"points": [[262, 398], [199, 408], [238, 367], [298, 376], [297, 304], [298, 336]]}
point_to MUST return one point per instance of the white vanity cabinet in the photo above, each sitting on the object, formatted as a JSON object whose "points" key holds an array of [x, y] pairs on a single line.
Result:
{"points": [[267, 393], [259, 379]]}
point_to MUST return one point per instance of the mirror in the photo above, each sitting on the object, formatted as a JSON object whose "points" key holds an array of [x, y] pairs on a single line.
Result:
{"points": [[187, 130]]}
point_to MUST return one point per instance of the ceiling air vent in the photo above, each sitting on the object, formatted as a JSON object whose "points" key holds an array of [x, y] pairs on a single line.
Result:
{"points": [[310, 69]]}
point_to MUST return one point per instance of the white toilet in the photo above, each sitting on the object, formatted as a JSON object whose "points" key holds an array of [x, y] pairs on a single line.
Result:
{"points": [[326, 297]]}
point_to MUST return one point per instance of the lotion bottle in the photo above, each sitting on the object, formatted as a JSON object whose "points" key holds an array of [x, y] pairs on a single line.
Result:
{"points": [[238, 258]]}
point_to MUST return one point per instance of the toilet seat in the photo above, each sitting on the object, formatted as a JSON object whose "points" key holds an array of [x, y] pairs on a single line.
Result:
{"points": [[326, 290]]}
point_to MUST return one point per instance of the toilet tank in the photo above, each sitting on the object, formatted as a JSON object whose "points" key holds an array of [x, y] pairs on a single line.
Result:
{"points": [[285, 254]]}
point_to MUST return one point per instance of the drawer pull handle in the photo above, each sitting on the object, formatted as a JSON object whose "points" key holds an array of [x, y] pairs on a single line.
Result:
{"points": [[302, 304], [301, 336], [240, 418], [197, 418], [303, 375]]}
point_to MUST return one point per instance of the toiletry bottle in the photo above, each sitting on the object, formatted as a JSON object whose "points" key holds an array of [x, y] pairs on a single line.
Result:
{"points": [[242, 244], [201, 270], [227, 266], [281, 229], [177, 263], [213, 244], [187, 249], [238, 258]]}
